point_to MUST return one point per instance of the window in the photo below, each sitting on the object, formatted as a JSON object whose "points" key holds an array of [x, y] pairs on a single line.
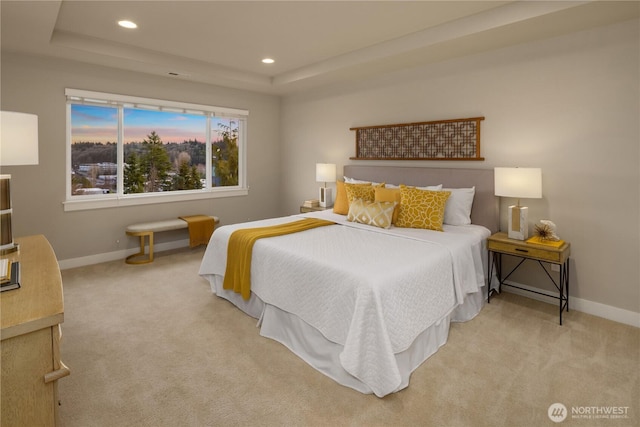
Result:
{"points": [[124, 150]]}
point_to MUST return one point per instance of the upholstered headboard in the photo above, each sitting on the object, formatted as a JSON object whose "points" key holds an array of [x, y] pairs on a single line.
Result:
{"points": [[485, 209]]}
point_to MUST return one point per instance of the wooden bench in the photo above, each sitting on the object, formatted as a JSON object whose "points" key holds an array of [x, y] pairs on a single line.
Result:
{"points": [[146, 230]]}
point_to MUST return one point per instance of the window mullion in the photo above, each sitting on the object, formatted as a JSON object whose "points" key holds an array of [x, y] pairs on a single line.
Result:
{"points": [[120, 151], [209, 152]]}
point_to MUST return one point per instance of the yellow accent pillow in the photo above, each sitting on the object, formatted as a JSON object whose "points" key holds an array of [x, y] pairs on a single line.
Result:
{"points": [[389, 195], [421, 208], [365, 192], [378, 214], [341, 204]]}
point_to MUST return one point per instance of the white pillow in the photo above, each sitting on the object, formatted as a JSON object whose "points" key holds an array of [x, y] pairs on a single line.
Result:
{"points": [[359, 181], [356, 181], [431, 187], [457, 210]]}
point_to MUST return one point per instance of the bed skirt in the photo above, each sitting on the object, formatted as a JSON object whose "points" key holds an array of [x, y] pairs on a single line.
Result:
{"points": [[311, 346]]}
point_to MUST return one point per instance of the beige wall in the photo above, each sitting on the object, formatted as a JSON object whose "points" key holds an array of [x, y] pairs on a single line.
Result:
{"points": [[569, 105], [35, 85]]}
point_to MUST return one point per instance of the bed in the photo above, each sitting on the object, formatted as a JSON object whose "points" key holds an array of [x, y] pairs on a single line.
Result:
{"points": [[366, 305]]}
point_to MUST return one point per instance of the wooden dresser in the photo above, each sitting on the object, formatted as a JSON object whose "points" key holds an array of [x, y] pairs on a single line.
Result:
{"points": [[30, 333]]}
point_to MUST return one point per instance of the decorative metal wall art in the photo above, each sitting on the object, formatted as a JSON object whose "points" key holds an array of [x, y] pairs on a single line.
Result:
{"points": [[457, 139]]}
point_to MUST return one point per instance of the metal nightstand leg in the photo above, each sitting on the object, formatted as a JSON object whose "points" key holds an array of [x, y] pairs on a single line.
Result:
{"points": [[495, 261], [564, 287]]}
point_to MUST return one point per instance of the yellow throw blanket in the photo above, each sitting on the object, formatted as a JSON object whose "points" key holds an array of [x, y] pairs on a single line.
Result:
{"points": [[200, 229], [240, 249]]}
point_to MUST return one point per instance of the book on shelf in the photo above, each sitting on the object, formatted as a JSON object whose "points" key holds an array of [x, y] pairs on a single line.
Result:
{"points": [[13, 279], [313, 203]]}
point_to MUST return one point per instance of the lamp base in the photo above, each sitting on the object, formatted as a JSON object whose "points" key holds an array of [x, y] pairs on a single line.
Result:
{"points": [[325, 197], [10, 250], [518, 227]]}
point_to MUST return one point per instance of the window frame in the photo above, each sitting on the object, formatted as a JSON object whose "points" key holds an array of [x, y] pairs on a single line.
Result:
{"points": [[86, 202]]}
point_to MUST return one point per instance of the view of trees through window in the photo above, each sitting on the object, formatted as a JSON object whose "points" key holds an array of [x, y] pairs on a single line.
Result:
{"points": [[161, 151]]}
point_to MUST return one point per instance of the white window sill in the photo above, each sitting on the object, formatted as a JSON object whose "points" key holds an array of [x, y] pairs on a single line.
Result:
{"points": [[111, 201]]}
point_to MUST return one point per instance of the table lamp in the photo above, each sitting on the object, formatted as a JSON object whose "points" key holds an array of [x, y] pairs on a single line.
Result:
{"points": [[18, 146], [325, 172], [525, 183]]}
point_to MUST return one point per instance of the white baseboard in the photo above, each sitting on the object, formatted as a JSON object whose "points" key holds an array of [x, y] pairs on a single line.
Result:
{"points": [[121, 254], [609, 312]]}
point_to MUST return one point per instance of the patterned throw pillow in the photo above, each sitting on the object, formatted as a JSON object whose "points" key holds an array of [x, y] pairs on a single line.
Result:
{"points": [[389, 195], [371, 213], [341, 204], [361, 191], [421, 208]]}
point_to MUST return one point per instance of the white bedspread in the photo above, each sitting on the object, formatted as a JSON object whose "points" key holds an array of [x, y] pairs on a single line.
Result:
{"points": [[371, 290]]}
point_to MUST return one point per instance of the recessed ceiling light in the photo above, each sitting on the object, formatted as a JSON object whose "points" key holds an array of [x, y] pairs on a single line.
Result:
{"points": [[268, 61], [127, 24]]}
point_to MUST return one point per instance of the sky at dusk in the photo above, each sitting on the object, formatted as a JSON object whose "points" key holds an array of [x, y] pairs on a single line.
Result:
{"points": [[100, 124]]}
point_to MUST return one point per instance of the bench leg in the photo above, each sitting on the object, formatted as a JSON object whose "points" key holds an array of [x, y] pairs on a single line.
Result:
{"points": [[141, 257]]}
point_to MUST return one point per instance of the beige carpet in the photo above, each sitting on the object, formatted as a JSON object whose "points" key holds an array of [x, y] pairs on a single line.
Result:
{"points": [[150, 345]]}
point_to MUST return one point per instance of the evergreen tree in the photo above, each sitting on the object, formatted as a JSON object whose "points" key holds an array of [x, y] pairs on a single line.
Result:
{"points": [[133, 175], [181, 179], [156, 164], [187, 177], [194, 179]]}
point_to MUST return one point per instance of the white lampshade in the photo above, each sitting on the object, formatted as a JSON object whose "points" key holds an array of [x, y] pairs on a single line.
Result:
{"points": [[18, 139], [325, 172], [521, 183]]}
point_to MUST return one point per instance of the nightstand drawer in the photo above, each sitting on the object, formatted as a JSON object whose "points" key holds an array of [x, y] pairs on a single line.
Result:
{"points": [[530, 251]]}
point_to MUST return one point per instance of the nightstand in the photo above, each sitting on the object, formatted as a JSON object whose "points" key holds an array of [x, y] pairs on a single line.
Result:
{"points": [[305, 209], [499, 244]]}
